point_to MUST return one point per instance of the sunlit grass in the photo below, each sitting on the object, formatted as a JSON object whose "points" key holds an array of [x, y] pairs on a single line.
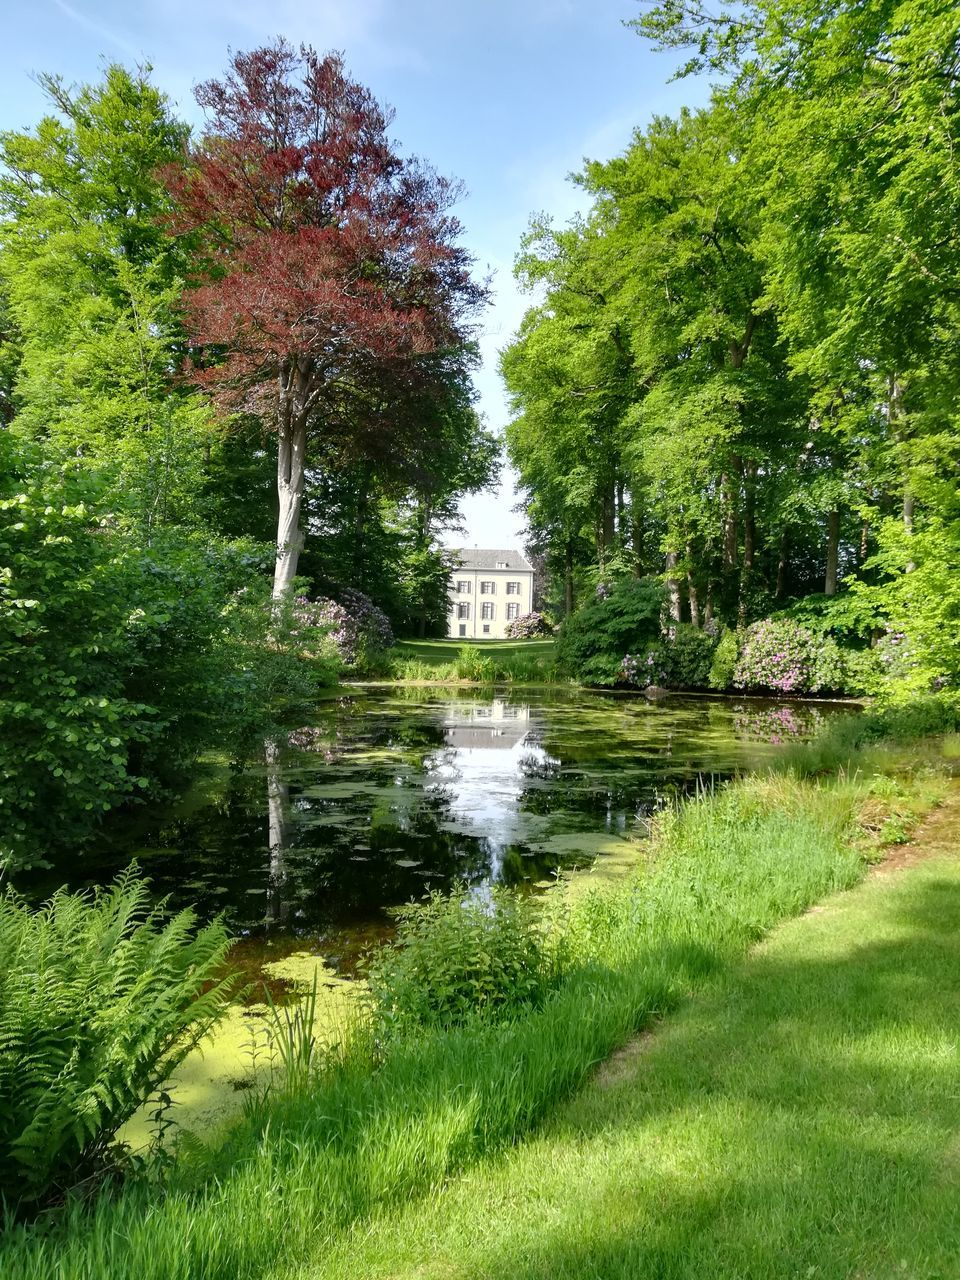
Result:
{"points": [[800, 1118], [476, 661]]}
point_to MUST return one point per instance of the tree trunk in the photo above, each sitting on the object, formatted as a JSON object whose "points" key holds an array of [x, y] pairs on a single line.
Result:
{"points": [[833, 553], [568, 601], [673, 587], [694, 600], [729, 524], [895, 418], [782, 567], [636, 536], [864, 543], [291, 453], [708, 607]]}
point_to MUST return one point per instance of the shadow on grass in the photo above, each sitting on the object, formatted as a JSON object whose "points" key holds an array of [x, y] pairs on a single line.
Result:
{"points": [[802, 1119]]}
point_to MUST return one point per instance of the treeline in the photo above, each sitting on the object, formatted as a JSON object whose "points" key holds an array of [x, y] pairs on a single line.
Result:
{"points": [[741, 371], [233, 366]]}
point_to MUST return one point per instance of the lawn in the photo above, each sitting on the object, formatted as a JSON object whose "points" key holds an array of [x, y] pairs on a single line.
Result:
{"points": [[801, 1118]]}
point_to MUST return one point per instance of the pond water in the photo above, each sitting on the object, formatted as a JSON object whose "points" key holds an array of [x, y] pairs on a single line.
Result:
{"points": [[388, 794]]}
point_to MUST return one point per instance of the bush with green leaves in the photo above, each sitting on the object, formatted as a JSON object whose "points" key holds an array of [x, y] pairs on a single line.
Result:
{"points": [[689, 656], [456, 957], [122, 653], [623, 618], [724, 661], [101, 996]]}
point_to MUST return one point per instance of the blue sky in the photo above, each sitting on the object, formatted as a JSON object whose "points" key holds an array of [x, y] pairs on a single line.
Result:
{"points": [[509, 97]]}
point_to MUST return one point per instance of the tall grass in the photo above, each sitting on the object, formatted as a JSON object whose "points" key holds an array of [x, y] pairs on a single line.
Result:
{"points": [[845, 740], [305, 1163], [478, 665]]}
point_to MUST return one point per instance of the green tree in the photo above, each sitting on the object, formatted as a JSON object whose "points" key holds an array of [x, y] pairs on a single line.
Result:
{"points": [[91, 281]]}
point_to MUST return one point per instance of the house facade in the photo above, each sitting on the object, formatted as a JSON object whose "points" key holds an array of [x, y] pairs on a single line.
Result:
{"points": [[488, 590]]}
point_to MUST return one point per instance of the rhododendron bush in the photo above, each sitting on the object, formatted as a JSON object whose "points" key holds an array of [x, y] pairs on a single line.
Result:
{"points": [[359, 630], [527, 626]]}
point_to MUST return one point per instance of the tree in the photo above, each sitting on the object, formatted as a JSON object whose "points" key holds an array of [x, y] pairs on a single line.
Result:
{"points": [[89, 340], [328, 266]]}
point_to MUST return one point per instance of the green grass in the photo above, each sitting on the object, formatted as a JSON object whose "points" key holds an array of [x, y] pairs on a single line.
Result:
{"points": [[479, 662], [799, 1119], [303, 1169]]}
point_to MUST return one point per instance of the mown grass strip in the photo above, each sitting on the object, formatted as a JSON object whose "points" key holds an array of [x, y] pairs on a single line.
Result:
{"points": [[800, 1118]]}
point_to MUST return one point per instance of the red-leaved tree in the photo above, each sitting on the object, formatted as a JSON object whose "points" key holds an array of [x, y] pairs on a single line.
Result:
{"points": [[327, 266]]}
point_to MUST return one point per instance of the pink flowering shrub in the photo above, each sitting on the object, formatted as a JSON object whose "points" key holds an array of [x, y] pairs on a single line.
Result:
{"points": [[777, 654], [527, 626]]}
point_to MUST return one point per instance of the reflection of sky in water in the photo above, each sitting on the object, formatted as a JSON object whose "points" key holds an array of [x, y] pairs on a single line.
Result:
{"points": [[489, 751]]}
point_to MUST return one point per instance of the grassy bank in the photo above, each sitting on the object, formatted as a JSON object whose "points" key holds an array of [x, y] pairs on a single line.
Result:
{"points": [[479, 662], [800, 1118], [369, 1134]]}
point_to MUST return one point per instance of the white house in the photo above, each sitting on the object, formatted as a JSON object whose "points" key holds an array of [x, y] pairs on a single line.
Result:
{"points": [[490, 589]]}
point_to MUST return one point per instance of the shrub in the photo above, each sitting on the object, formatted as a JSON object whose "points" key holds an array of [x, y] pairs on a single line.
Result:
{"points": [[724, 661], [527, 626], [829, 669], [593, 641], [689, 655], [776, 654], [101, 996], [457, 957], [121, 654], [359, 629]]}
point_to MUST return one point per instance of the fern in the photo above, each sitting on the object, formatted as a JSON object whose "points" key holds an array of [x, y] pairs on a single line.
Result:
{"points": [[102, 995]]}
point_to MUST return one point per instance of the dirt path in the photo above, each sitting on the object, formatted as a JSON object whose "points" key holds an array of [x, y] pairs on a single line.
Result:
{"points": [[938, 833]]}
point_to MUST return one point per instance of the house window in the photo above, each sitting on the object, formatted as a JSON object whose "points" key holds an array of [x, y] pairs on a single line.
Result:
{"points": [[486, 628], [463, 610], [463, 587], [513, 588], [513, 611], [488, 588], [502, 564], [486, 610], [463, 629]]}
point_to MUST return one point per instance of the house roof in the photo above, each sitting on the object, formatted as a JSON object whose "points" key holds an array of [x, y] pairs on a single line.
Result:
{"points": [[480, 558]]}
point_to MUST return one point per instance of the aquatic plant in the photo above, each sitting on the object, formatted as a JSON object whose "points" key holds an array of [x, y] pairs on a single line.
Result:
{"points": [[457, 955]]}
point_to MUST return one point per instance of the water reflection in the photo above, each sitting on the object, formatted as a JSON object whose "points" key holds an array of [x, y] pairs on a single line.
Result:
{"points": [[387, 796]]}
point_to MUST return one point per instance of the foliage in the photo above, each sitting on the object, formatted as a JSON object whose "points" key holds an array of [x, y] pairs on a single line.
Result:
{"points": [[456, 957], [689, 657], [778, 655], [359, 631], [92, 283], [314, 235], [120, 654], [738, 371], [592, 641], [101, 996], [724, 662], [527, 626]]}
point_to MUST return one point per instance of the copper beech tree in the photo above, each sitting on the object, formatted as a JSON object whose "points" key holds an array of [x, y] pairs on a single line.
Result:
{"points": [[327, 266]]}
